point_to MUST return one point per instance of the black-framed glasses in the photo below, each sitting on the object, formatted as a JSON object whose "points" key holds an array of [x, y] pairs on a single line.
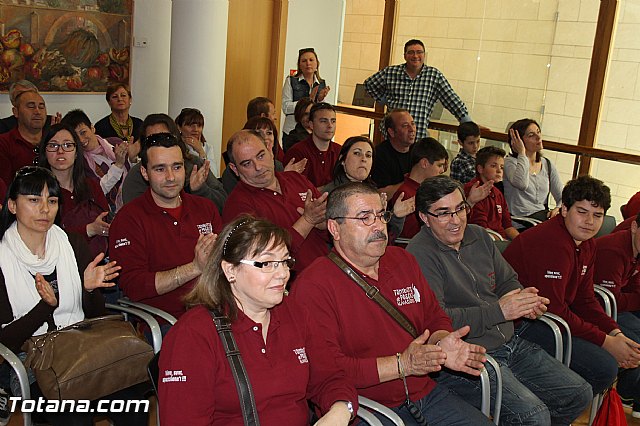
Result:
{"points": [[445, 217], [159, 138], [270, 265], [369, 219], [66, 146]]}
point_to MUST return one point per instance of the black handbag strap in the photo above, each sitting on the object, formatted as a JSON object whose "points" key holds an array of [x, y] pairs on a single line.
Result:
{"points": [[373, 293], [245, 392]]}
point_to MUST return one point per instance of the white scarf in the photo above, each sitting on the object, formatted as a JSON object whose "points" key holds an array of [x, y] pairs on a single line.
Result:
{"points": [[19, 266]]}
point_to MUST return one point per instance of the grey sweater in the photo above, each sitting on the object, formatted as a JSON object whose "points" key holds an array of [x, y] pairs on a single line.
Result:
{"points": [[468, 282]]}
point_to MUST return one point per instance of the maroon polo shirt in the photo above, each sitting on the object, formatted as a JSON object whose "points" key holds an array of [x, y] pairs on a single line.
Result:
{"points": [[357, 330], [15, 152], [280, 209], [319, 168], [492, 212], [617, 269], [411, 222], [546, 257], [197, 386], [144, 239]]}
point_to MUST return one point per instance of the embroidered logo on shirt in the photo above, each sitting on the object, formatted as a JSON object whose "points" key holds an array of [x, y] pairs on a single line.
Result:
{"points": [[499, 208], [303, 196], [492, 280], [553, 275], [173, 376], [407, 295], [205, 228], [302, 355], [584, 269], [608, 283], [121, 242]]}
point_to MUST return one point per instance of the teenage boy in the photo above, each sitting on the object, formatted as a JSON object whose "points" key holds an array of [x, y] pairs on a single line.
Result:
{"points": [[463, 167], [558, 258], [492, 212], [428, 158]]}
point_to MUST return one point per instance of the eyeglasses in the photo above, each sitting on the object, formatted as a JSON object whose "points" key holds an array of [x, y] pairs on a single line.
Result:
{"points": [[445, 217], [270, 265], [158, 138], [414, 52], [66, 146], [369, 219]]}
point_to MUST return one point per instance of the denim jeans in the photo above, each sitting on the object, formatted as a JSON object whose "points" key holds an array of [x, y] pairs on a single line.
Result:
{"points": [[597, 366], [536, 388], [629, 380], [439, 407]]}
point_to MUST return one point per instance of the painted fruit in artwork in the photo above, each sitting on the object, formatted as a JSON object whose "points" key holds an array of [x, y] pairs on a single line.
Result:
{"points": [[12, 39], [81, 48]]}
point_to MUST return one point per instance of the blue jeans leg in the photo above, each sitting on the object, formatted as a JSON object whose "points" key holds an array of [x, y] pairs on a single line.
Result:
{"points": [[629, 380], [440, 407], [597, 366]]}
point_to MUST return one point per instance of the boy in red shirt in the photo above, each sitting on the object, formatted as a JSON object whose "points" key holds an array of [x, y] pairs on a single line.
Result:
{"points": [[491, 212]]}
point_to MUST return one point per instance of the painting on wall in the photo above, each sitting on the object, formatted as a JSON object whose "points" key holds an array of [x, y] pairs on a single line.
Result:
{"points": [[66, 46]]}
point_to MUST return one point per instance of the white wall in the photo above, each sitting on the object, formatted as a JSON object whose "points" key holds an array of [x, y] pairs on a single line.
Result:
{"points": [[149, 69], [318, 25]]}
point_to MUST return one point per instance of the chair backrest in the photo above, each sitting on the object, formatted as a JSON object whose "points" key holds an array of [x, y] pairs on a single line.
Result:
{"points": [[607, 226], [154, 372]]}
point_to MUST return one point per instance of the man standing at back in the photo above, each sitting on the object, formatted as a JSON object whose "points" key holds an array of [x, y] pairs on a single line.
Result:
{"points": [[416, 87], [319, 149], [476, 286], [18, 146]]}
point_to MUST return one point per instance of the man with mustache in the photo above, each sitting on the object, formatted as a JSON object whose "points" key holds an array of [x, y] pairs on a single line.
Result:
{"points": [[287, 199], [558, 257], [476, 286], [381, 357]]}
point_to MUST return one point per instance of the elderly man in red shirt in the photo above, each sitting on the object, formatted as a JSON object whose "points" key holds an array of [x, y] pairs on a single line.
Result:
{"points": [[380, 356], [162, 238], [287, 199]]}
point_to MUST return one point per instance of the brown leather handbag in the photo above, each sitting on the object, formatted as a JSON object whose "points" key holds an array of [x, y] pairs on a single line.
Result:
{"points": [[88, 360]]}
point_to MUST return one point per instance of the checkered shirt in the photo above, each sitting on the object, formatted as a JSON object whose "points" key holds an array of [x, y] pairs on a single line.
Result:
{"points": [[463, 167], [393, 86]]}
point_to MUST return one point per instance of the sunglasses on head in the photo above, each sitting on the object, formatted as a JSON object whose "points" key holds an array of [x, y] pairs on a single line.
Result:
{"points": [[306, 50], [158, 138]]}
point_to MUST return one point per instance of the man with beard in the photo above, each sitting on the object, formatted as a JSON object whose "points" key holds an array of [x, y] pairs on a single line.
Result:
{"points": [[379, 355], [162, 239]]}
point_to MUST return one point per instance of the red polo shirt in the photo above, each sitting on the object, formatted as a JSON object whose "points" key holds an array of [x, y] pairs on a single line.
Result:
{"points": [[411, 222], [144, 239], [280, 209], [546, 257], [197, 385], [3, 191], [492, 212], [15, 152], [357, 330], [617, 269], [319, 168], [624, 225]]}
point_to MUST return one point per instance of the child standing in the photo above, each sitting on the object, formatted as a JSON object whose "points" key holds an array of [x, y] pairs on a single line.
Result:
{"points": [[463, 167]]}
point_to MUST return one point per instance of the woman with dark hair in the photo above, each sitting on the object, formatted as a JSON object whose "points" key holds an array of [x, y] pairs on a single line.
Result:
{"points": [[84, 208], [303, 127], [119, 123], [190, 122], [199, 179], [306, 83], [47, 280], [529, 177], [354, 163], [286, 364]]}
